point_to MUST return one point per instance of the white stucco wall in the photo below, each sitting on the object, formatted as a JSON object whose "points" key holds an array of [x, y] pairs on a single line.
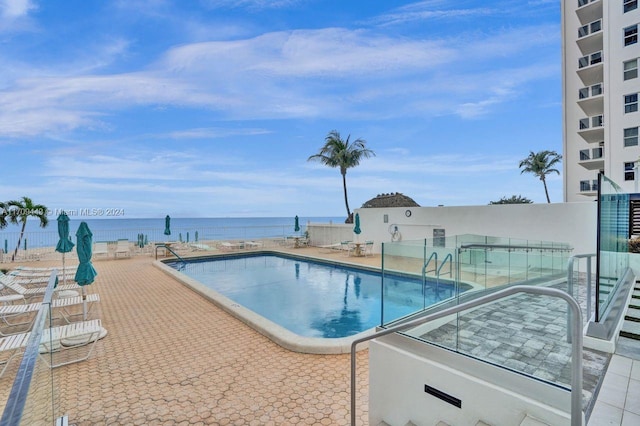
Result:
{"points": [[573, 223]]}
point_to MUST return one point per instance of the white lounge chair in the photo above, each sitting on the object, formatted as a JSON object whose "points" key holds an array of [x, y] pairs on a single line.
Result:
{"points": [[101, 248], [225, 245], [253, 244], [123, 248], [8, 312], [38, 291], [56, 339], [199, 247]]}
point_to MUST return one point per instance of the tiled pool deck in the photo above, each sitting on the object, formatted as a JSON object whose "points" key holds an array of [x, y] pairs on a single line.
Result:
{"points": [[171, 357]]}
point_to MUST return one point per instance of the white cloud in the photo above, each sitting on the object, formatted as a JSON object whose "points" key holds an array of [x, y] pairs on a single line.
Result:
{"points": [[14, 9]]}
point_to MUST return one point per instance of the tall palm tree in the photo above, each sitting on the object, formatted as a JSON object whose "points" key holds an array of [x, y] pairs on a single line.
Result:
{"points": [[18, 213], [541, 164], [344, 154]]}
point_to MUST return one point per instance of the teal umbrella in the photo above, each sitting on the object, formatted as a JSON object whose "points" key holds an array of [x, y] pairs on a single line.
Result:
{"points": [[64, 244], [196, 236], [296, 228], [356, 229], [167, 225], [85, 274]]}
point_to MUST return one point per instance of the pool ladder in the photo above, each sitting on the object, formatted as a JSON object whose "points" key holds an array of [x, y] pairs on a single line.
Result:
{"points": [[169, 249], [437, 269]]}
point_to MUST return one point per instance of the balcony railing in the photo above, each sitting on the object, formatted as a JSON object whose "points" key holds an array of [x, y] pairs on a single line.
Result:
{"points": [[587, 92], [585, 186], [596, 153], [588, 60], [591, 122], [585, 2], [590, 28]]}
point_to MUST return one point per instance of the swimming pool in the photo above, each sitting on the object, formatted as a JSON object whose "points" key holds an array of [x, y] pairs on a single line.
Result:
{"points": [[309, 299]]}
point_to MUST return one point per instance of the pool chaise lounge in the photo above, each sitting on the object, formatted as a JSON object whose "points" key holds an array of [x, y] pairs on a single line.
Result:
{"points": [[38, 291], [56, 339], [8, 312], [226, 245], [123, 248]]}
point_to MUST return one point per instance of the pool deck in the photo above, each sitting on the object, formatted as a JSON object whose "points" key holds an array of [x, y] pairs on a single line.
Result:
{"points": [[171, 357]]}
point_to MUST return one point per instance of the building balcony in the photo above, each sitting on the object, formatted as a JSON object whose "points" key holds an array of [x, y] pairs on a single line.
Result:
{"points": [[590, 37], [589, 10], [590, 68], [591, 129], [592, 159], [589, 188], [591, 99]]}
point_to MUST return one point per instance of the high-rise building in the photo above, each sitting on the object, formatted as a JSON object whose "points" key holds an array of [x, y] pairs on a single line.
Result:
{"points": [[601, 56]]}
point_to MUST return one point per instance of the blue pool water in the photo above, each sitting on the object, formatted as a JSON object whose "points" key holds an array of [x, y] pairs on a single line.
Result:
{"points": [[312, 299]]}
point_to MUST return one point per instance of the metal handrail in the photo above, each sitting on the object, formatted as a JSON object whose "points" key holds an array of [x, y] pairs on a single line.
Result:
{"points": [[514, 247], [570, 277], [171, 251], [424, 267], [444, 262], [576, 346]]}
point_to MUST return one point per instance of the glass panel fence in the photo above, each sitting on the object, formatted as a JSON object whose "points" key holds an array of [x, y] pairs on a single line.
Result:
{"points": [[612, 241], [32, 398]]}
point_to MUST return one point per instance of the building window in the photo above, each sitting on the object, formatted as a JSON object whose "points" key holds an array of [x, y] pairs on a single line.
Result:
{"points": [[628, 171], [631, 69], [630, 103], [631, 35], [631, 136], [584, 185], [629, 5]]}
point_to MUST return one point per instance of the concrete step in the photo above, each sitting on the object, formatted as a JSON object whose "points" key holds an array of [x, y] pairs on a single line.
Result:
{"points": [[631, 329], [633, 314]]}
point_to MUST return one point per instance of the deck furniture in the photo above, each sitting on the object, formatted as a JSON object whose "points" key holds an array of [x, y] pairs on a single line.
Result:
{"points": [[123, 248]]}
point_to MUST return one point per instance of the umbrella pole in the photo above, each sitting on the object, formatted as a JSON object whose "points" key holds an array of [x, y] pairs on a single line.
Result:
{"points": [[64, 274], [84, 303]]}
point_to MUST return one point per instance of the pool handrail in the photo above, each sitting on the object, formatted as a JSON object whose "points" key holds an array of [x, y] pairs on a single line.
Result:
{"points": [[576, 344]]}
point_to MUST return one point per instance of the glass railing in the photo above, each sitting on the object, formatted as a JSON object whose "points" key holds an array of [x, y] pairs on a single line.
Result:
{"points": [[33, 399], [466, 264], [518, 333], [613, 247]]}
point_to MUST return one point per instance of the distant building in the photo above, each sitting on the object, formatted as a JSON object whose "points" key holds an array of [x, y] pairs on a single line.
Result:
{"points": [[600, 94]]}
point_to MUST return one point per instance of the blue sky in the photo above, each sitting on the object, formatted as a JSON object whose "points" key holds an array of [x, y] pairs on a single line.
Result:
{"points": [[211, 108]]}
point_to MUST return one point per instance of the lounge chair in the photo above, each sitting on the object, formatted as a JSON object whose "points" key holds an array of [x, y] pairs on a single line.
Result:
{"points": [[39, 277], [346, 247], [253, 244], [8, 312], [56, 339], [101, 248], [38, 291], [199, 247], [225, 245], [331, 247], [123, 248]]}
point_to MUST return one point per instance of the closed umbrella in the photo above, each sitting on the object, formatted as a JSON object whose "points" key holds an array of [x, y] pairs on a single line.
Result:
{"points": [[356, 229], [64, 244], [296, 227], [85, 274], [167, 225]]}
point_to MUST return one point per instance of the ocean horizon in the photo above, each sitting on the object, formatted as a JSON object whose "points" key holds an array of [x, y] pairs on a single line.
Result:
{"points": [[185, 229]]}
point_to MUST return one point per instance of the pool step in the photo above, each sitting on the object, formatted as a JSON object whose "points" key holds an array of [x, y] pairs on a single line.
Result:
{"points": [[631, 329], [633, 314]]}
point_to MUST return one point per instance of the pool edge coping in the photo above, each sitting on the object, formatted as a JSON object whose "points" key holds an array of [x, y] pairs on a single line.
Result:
{"points": [[276, 333]]}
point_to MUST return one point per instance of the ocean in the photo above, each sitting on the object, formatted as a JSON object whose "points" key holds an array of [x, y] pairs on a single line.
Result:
{"points": [[184, 229]]}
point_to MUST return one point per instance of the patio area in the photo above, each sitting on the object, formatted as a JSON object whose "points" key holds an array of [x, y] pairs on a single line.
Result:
{"points": [[172, 357]]}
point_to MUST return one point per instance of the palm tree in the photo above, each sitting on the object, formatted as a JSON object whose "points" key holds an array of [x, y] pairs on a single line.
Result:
{"points": [[541, 164], [3, 215], [18, 213], [344, 154]]}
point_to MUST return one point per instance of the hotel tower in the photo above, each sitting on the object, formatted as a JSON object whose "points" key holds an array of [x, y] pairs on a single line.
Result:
{"points": [[601, 55]]}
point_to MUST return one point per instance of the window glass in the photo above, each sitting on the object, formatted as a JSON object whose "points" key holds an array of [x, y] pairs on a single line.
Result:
{"points": [[631, 136], [630, 103], [631, 35], [629, 5], [628, 171], [631, 69]]}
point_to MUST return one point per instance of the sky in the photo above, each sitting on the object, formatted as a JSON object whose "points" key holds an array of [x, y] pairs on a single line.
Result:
{"points": [[211, 108]]}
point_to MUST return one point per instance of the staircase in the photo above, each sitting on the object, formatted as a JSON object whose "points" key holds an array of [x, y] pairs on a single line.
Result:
{"points": [[631, 325]]}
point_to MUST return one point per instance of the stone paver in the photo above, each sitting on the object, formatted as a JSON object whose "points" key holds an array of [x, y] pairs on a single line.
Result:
{"points": [[172, 357]]}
